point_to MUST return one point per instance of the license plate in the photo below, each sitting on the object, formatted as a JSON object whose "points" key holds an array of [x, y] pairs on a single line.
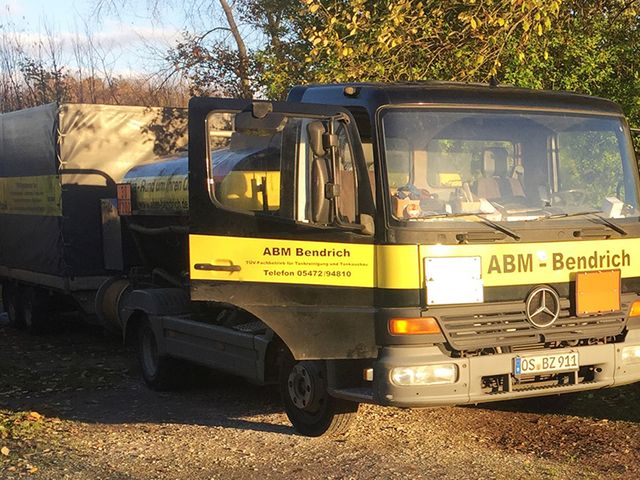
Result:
{"points": [[549, 363]]}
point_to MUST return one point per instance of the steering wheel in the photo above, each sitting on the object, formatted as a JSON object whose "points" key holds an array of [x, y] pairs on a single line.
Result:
{"points": [[571, 198]]}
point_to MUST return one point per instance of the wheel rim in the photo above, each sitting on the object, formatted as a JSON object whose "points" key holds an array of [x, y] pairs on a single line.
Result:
{"points": [[149, 351], [306, 387]]}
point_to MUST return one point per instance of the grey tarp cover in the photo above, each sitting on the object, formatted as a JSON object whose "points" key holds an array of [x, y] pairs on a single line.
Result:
{"points": [[56, 163]]}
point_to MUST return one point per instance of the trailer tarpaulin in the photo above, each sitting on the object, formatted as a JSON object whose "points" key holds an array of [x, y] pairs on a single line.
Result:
{"points": [[56, 163]]}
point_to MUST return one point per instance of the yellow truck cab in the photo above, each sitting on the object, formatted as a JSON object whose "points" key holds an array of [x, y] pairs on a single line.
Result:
{"points": [[430, 244]]}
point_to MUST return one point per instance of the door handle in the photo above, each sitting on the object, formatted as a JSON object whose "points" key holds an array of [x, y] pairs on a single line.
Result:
{"points": [[217, 268]]}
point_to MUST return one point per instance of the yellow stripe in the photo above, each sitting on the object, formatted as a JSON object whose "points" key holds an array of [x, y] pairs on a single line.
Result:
{"points": [[553, 262], [165, 192], [282, 261], [402, 266], [37, 195]]}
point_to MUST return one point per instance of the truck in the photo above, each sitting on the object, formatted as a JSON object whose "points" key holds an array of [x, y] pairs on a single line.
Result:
{"points": [[409, 245]]}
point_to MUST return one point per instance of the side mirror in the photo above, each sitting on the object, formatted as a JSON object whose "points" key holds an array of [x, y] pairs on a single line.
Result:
{"points": [[315, 132], [319, 202], [368, 224]]}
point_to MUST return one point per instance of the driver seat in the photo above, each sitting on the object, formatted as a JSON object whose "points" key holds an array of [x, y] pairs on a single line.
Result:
{"points": [[488, 186], [496, 181]]}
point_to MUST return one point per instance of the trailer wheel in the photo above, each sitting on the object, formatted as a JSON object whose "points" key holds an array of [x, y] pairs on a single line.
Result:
{"points": [[159, 372], [310, 408], [12, 305], [35, 307]]}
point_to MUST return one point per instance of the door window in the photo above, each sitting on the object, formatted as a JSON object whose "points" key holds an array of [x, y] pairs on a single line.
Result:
{"points": [[278, 171]]}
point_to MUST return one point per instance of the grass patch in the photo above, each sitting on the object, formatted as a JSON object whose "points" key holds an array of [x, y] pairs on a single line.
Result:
{"points": [[19, 434]]}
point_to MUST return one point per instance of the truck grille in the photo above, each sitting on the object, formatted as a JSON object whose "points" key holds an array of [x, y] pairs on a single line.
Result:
{"points": [[505, 324]]}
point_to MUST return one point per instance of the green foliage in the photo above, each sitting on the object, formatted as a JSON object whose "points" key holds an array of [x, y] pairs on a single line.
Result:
{"points": [[417, 40], [591, 48], [588, 46], [580, 45]]}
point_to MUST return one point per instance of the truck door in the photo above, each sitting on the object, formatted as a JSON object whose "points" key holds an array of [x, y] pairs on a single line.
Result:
{"points": [[281, 221]]}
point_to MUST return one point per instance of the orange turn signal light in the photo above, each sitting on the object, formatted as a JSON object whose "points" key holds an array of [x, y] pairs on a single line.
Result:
{"points": [[413, 326], [634, 311]]}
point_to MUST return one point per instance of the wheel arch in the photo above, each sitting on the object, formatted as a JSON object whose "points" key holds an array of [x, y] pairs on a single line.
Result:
{"points": [[150, 304]]}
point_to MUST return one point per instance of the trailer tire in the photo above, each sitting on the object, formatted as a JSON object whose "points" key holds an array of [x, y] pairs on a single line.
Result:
{"points": [[35, 308], [310, 408], [12, 304], [159, 372]]}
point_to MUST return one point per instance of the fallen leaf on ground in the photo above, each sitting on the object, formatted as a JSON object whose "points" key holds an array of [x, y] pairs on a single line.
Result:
{"points": [[35, 416]]}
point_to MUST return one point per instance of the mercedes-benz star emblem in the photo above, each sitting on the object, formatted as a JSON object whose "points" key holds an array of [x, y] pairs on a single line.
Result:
{"points": [[542, 307]]}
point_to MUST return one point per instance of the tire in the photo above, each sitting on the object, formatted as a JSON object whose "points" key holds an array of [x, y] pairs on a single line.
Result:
{"points": [[159, 372], [310, 408], [35, 308], [12, 304]]}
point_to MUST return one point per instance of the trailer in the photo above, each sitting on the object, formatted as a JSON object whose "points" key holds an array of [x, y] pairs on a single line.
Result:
{"points": [[61, 237], [409, 245]]}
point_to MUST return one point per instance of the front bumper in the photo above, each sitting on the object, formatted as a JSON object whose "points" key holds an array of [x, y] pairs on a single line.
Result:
{"points": [[604, 361]]}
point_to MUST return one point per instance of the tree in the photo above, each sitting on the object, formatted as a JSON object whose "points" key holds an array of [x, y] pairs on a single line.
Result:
{"points": [[416, 40]]}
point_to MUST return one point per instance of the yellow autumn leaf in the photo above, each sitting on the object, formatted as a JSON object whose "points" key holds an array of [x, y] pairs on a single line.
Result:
{"points": [[314, 8], [34, 416]]}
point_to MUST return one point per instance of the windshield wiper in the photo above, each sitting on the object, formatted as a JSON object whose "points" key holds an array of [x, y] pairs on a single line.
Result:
{"points": [[595, 213], [486, 221], [572, 214], [611, 225]]}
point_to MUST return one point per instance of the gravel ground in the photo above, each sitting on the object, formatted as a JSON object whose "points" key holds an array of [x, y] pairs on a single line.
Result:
{"points": [[72, 407]]}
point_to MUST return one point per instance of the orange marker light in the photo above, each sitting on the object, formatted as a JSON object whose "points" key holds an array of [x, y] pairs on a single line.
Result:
{"points": [[413, 326], [635, 309]]}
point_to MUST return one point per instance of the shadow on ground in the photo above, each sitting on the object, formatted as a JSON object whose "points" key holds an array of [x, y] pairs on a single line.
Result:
{"points": [[79, 373], [620, 403]]}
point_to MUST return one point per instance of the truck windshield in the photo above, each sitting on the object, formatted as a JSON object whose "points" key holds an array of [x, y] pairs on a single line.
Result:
{"points": [[506, 166]]}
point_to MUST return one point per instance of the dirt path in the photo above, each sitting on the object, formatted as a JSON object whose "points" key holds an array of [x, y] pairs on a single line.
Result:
{"points": [[99, 422]]}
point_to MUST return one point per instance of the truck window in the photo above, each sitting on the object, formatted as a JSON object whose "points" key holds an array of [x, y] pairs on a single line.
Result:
{"points": [[252, 171], [589, 158], [344, 176], [245, 167], [509, 166]]}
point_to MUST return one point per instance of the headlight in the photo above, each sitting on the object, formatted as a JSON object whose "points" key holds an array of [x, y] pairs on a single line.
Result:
{"points": [[425, 375], [631, 354]]}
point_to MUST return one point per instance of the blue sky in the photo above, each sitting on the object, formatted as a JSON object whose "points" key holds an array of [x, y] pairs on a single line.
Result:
{"points": [[132, 40]]}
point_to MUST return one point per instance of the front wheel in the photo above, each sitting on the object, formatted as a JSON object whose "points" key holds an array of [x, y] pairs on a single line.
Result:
{"points": [[310, 408]]}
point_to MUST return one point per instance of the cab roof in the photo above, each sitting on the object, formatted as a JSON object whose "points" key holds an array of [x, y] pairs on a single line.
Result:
{"points": [[374, 95]]}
